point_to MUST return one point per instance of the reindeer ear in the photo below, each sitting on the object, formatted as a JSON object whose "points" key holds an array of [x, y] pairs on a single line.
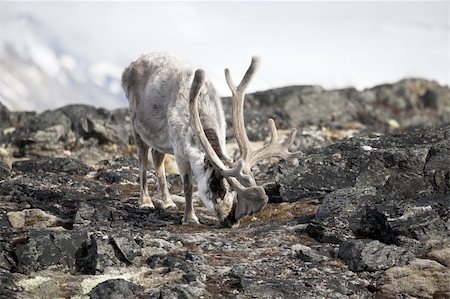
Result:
{"points": [[248, 207]]}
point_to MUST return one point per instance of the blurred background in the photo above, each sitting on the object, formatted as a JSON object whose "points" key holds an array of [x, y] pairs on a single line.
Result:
{"points": [[53, 54]]}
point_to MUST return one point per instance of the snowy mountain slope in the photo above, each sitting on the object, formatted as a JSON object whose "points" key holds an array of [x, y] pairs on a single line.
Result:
{"points": [[37, 73]]}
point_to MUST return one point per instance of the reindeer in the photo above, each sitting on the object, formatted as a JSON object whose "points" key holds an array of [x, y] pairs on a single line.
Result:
{"points": [[176, 111]]}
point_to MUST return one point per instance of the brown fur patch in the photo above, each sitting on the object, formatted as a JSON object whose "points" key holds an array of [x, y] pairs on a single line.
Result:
{"points": [[214, 141]]}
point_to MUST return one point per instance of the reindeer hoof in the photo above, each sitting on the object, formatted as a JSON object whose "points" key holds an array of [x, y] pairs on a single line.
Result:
{"points": [[146, 205], [166, 204], [190, 222]]}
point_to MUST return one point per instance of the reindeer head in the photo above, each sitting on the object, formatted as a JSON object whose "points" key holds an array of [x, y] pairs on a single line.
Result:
{"points": [[235, 180]]}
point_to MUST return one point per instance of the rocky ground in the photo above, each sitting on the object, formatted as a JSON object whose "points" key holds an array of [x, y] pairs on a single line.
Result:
{"points": [[360, 217]]}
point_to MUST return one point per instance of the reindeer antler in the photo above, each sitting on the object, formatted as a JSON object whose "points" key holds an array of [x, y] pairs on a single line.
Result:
{"points": [[274, 148], [242, 183]]}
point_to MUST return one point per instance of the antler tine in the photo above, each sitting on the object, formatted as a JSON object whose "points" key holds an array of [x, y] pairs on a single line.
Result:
{"points": [[230, 81], [238, 106], [274, 148], [256, 61], [236, 171]]}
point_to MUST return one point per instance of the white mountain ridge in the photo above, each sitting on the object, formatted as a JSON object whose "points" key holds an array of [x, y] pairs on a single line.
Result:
{"points": [[37, 73]]}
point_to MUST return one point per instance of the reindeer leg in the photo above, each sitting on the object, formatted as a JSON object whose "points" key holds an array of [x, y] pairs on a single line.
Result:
{"points": [[144, 199], [166, 200], [185, 173]]}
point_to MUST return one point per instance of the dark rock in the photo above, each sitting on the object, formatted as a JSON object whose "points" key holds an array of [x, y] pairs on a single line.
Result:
{"points": [[406, 186], [408, 223], [307, 254], [371, 160], [437, 167], [304, 282], [101, 124], [31, 190], [4, 116], [85, 214], [412, 102], [127, 247], [347, 213], [18, 120], [256, 122], [43, 134], [116, 289], [86, 257], [8, 289], [172, 292], [340, 214], [370, 255], [13, 119], [304, 105], [73, 128], [6, 260], [44, 249], [190, 264], [107, 255], [54, 165], [5, 172], [120, 170], [113, 214], [158, 260], [99, 253]]}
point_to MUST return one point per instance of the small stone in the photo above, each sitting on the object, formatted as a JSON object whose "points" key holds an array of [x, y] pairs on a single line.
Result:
{"points": [[367, 148], [35, 218], [307, 254], [393, 123]]}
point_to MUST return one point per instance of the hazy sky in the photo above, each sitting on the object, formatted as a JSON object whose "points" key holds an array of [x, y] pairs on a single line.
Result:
{"points": [[334, 44]]}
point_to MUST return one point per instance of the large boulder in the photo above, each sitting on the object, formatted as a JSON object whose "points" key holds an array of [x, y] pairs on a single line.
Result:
{"points": [[43, 249], [370, 255], [399, 165]]}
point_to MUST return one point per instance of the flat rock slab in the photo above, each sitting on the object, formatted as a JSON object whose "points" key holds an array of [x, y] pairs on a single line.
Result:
{"points": [[55, 165]]}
